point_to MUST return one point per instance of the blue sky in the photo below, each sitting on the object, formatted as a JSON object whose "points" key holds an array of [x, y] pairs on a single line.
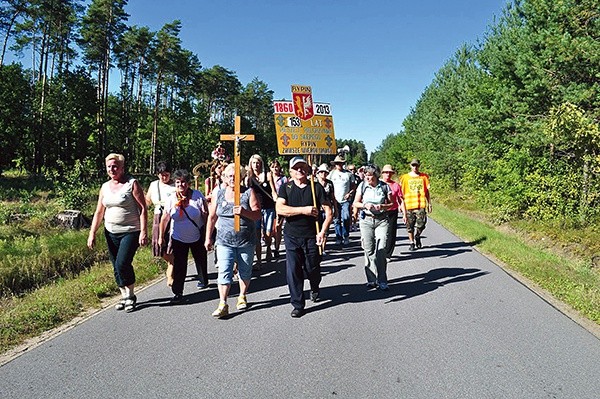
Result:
{"points": [[370, 59]]}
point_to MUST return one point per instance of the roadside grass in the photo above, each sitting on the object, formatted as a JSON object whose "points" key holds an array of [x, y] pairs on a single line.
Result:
{"points": [[568, 277], [48, 276], [32, 261], [29, 315]]}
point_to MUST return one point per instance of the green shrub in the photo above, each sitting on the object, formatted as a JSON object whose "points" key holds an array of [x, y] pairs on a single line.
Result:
{"points": [[73, 185]]}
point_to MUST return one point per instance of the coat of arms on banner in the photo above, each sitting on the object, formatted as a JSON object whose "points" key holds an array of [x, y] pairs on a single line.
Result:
{"points": [[303, 102]]}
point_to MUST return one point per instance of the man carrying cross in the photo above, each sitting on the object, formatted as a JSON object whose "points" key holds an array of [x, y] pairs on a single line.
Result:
{"points": [[300, 205]]}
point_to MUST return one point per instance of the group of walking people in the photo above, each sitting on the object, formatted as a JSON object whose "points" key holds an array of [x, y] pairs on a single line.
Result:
{"points": [[185, 220]]}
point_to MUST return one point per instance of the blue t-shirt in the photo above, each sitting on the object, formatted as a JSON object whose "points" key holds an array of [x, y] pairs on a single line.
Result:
{"points": [[374, 195]]}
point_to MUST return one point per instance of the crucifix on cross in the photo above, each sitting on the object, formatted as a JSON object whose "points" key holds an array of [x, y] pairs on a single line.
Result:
{"points": [[237, 137]]}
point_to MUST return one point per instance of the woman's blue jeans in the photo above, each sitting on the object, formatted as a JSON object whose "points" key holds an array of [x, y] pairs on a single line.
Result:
{"points": [[121, 249]]}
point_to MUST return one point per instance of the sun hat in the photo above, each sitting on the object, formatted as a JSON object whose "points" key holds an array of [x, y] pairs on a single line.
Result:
{"points": [[323, 168], [388, 168], [296, 160], [339, 159], [415, 161]]}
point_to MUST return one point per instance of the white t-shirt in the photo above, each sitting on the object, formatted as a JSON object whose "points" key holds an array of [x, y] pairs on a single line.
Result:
{"points": [[342, 181], [182, 229], [166, 191]]}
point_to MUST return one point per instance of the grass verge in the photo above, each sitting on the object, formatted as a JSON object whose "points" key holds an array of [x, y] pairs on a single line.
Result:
{"points": [[572, 280], [61, 301]]}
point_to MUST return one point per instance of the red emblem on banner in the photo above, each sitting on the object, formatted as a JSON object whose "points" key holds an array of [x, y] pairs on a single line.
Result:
{"points": [[303, 105]]}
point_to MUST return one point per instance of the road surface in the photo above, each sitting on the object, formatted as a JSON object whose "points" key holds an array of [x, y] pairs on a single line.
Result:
{"points": [[452, 325]]}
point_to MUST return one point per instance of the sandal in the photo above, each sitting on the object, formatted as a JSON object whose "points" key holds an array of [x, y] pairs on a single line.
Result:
{"points": [[222, 311], [120, 305], [242, 303], [130, 303]]}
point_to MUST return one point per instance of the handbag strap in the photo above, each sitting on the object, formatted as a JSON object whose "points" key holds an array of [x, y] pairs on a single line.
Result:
{"points": [[191, 220]]}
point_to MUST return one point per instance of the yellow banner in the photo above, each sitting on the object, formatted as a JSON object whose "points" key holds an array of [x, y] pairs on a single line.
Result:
{"points": [[314, 136], [297, 136]]}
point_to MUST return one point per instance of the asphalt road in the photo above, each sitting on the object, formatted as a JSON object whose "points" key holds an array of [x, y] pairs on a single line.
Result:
{"points": [[452, 325]]}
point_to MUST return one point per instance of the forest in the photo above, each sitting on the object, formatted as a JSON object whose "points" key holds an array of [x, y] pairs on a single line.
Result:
{"points": [[61, 111], [513, 120]]}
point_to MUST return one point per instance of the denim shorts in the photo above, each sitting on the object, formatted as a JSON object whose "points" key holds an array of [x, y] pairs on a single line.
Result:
{"points": [[227, 256], [268, 219]]}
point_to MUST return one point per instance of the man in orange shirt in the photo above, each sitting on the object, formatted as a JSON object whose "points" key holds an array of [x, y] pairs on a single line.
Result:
{"points": [[416, 204]]}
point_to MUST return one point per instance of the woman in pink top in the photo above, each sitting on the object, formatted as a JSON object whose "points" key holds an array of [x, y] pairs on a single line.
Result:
{"points": [[386, 176]]}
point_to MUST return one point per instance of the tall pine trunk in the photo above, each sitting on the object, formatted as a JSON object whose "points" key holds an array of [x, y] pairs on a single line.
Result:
{"points": [[155, 121]]}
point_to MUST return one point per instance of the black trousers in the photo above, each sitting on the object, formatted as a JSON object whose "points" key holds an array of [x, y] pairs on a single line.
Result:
{"points": [[180, 261], [302, 260]]}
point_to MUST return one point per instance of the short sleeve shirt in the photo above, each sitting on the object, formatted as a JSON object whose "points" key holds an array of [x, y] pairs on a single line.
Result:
{"points": [[159, 194], [415, 190], [374, 195], [342, 181], [301, 226], [182, 228]]}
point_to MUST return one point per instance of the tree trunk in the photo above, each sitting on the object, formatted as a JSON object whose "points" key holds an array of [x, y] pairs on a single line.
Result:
{"points": [[105, 97], [7, 36], [140, 89], [155, 122], [99, 118]]}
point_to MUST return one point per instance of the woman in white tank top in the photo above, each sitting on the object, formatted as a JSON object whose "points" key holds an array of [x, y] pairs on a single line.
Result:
{"points": [[122, 206]]}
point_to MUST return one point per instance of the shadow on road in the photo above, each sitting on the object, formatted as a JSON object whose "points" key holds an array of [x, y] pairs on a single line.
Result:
{"points": [[335, 260], [443, 250], [400, 289], [411, 286]]}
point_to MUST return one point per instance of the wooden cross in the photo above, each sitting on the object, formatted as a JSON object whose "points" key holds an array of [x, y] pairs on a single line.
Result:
{"points": [[236, 138]]}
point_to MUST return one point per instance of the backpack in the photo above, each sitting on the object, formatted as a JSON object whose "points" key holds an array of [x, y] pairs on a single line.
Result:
{"points": [[384, 187]]}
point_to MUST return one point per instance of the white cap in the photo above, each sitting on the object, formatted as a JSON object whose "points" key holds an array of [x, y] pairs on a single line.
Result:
{"points": [[296, 160]]}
